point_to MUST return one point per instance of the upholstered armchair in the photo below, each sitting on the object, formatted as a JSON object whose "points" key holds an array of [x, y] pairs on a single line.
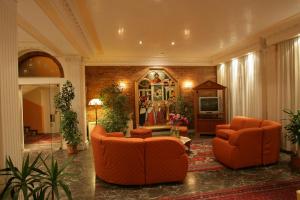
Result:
{"points": [[247, 142]]}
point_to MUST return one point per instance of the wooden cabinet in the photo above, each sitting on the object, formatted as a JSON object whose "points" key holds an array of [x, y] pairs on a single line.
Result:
{"points": [[208, 126], [206, 120]]}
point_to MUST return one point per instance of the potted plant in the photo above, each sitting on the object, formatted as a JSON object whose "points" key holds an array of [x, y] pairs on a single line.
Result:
{"points": [[293, 134], [35, 180], [70, 130], [115, 108], [69, 122]]}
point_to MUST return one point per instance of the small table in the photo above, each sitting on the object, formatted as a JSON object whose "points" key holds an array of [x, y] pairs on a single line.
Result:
{"points": [[186, 141]]}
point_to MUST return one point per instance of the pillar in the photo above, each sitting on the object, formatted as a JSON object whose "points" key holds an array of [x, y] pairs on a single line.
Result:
{"points": [[10, 109]]}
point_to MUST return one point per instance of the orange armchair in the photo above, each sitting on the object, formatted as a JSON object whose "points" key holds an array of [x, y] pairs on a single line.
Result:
{"points": [[247, 142]]}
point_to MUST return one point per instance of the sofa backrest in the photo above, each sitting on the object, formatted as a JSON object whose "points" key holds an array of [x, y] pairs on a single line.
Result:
{"points": [[137, 161], [165, 160], [271, 141], [240, 122]]}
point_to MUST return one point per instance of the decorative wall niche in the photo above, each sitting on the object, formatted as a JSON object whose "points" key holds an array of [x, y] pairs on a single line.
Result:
{"points": [[155, 97]]}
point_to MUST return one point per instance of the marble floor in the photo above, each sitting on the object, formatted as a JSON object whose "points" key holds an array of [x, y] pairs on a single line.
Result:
{"points": [[85, 186]]}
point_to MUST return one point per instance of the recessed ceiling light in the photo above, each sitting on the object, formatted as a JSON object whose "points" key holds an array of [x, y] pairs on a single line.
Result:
{"points": [[173, 43], [121, 31], [187, 32], [140, 42]]}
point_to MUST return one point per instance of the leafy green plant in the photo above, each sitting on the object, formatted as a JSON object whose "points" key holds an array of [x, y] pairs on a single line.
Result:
{"points": [[293, 127], [52, 179], [63, 99], [20, 181], [116, 109], [69, 121], [36, 180], [69, 128]]}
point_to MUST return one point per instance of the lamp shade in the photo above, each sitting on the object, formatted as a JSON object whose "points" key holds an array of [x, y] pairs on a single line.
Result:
{"points": [[95, 102]]}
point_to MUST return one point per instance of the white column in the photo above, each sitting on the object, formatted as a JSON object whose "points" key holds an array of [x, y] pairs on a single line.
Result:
{"points": [[74, 72], [10, 109]]}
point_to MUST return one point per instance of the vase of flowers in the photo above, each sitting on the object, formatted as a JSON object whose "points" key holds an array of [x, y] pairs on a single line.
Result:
{"points": [[177, 120]]}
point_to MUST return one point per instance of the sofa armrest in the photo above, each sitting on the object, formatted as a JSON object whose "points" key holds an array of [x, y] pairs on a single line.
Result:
{"points": [[115, 134], [246, 136], [222, 126]]}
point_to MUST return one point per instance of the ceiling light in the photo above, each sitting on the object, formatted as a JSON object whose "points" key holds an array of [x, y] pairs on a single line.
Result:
{"points": [[187, 32], [140, 42], [121, 31], [173, 43]]}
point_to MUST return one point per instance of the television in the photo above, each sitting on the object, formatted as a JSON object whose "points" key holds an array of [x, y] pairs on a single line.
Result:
{"points": [[209, 105]]}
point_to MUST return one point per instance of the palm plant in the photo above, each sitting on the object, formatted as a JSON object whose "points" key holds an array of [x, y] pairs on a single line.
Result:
{"points": [[53, 179], [22, 181], [35, 180]]}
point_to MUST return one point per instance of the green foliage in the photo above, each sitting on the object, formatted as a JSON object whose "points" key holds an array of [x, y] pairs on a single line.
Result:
{"points": [[53, 179], [69, 121], [31, 182], [184, 108], [116, 109], [63, 99], [293, 128], [69, 128]]}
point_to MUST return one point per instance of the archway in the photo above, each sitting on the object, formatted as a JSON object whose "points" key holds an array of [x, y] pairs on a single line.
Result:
{"points": [[43, 74]]}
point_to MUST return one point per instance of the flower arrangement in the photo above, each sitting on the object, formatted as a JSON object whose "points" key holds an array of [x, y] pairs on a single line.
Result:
{"points": [[177, 119]]}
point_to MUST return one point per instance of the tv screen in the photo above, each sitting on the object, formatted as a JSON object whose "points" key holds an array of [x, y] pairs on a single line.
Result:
{"points": [[209, 104]]}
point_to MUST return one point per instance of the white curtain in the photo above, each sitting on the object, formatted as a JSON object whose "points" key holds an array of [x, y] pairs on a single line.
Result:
{"points": [[287, 73], [242, 77]]}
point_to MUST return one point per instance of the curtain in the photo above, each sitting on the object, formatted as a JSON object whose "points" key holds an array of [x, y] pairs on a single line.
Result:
{"points": [[242, 77], [288, 79]]}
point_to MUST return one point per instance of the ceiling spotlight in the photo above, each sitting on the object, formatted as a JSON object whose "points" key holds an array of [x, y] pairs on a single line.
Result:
{"points": [[140, 42], [187, 32], [173, 43], [121, 31]]}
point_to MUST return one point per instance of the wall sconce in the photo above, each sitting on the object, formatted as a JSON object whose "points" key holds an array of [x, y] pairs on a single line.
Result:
{"points": [[122, 85], [95, 103], [187, 84]]}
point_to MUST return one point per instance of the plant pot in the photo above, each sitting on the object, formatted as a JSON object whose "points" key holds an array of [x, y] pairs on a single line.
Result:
{"points": [[72, 149], [295, 162]]}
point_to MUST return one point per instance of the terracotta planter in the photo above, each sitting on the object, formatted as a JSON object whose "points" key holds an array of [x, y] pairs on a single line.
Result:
{"points": [[295, 162], [72, 149]]}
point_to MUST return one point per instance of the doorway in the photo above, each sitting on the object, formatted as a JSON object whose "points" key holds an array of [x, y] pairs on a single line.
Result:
{"points": [[40, 119]]}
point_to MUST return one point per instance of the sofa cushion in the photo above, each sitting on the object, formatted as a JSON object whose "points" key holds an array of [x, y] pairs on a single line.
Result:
{"points": [[251, 123], [225, 133], [237, 123]]}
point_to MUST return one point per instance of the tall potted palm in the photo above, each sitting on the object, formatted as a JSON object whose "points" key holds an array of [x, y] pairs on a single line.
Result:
{"points": [[293, 134], [69, 121]]}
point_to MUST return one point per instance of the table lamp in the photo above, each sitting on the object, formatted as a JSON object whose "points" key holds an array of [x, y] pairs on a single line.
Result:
{"points": [[95, 102]]}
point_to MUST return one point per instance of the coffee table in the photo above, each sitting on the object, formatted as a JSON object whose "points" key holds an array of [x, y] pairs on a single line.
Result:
{"points": [[186, 141]]}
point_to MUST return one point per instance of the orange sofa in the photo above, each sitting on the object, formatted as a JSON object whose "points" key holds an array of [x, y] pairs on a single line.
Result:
{"points": [[137, 161], [247, 142]]}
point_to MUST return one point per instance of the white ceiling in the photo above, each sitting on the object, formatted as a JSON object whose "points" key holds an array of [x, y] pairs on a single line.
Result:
{"points": [[214, 26]]}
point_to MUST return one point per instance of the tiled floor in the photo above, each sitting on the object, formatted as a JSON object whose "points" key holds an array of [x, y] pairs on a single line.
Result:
{"points": [[85, 186]]}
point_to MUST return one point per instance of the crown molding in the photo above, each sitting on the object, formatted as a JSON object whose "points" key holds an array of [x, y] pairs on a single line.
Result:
{"points": [[146, 61], [61, 15], [81, 10], [282, 30], [27, 27]]}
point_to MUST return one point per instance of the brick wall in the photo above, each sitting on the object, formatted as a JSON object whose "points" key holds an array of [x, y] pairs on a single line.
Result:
{"points": [[99, 77]]}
